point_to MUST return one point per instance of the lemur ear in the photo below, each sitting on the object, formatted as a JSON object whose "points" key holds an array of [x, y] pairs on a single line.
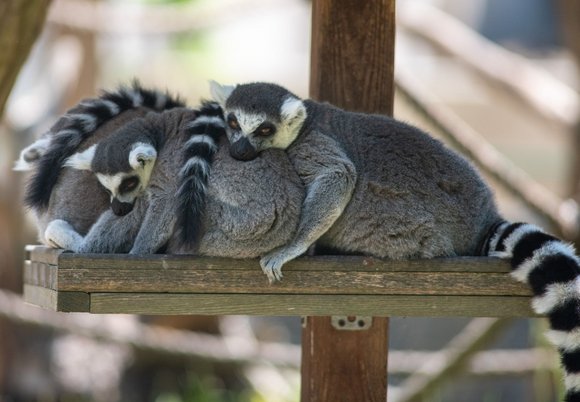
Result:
{"points": [[220, 93], [141, 154], [82, 160], [293, 111]]}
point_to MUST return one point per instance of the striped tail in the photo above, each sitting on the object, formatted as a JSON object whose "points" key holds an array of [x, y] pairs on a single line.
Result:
{"points": [[78, 124], [552, 269], [203, 135]]}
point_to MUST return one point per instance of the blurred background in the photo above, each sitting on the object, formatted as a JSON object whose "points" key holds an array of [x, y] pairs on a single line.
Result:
{"points": [[491, 72]]}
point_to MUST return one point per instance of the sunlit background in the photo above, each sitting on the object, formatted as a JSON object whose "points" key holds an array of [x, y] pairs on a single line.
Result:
{"points": [[508, 69]]}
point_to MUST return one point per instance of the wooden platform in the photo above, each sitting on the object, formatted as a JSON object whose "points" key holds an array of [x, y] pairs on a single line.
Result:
{"points": [[324, 285]]}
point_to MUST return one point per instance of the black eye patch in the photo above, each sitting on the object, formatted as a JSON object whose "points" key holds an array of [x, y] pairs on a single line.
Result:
{"points": [[129, 184], [233, 122], [265, 129]]}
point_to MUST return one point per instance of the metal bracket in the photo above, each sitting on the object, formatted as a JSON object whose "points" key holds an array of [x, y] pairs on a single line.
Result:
{"points": [[351, 322]]}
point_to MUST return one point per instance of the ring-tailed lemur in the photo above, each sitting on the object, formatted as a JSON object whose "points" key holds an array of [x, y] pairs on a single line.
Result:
{"points": [[79, 128], [377, 186], [252, 207]]}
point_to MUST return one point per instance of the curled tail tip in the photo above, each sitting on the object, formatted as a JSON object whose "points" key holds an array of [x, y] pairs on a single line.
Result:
{"points": [[22, 166]]}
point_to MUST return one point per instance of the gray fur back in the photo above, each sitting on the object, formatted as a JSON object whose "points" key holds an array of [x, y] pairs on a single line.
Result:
{"points": [[413, 197]]}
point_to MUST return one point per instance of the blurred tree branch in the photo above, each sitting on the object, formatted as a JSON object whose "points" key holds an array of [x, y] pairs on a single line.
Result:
{"points": [[548, 96], [21, 21], [569, 10]]}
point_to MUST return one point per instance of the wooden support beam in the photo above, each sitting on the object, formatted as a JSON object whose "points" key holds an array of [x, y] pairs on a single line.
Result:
{"points": [[352, 64]]}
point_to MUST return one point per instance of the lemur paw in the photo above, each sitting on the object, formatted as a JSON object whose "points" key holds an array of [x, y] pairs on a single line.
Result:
{"points": [[272, 267], [272, 262], [60, 234]]}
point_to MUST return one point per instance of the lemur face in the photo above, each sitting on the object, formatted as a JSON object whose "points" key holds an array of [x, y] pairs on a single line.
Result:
{"points": [[259, 116], [125, 180]]}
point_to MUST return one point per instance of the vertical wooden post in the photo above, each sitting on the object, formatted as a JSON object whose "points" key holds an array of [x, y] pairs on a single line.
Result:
{"points": [[352, 64]]}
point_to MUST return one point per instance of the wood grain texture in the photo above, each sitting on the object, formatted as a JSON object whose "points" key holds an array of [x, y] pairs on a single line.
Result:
{"points": [[337, 367], [40, 274], [67, 302], [352, 54], [310, 305], [91, 273], [346, 285], [318, 263], [302, 282]]}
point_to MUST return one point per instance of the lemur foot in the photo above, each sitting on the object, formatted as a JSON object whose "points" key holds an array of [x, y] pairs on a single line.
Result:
{"points": [[272, 267], [60, 234], [272, 262]]}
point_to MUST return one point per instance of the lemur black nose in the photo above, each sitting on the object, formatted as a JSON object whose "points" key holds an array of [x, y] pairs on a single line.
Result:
{"points": [[242, 150], [121, 208]]}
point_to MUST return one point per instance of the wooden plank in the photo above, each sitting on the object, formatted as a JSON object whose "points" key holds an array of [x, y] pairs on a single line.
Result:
{"points": [[318, 263], [40, 274], [45, 255], [465, 286], [330, 350], [41, 297], [67, 260], [55, 300], [69, 302], [315, 305], [304, 282]]}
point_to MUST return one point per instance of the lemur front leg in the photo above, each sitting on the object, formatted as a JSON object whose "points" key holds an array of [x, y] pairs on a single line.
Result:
{"points": [[157, 227], [328, 192], [109, 234]]}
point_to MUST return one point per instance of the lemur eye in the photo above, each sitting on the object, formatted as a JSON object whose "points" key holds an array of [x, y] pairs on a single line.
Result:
{"points": [[233, 122], [265, 129], [129, 184]]}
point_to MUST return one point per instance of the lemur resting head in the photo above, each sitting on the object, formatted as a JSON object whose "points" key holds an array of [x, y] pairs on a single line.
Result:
{"points": [[259, 116], [122, 163]]}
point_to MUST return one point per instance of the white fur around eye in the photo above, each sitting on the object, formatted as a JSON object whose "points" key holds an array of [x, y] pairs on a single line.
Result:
{"points": [[249, 122], [141, 154], [111, 182], [82, 160]]}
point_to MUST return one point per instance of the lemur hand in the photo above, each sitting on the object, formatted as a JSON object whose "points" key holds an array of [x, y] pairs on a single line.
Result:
{"points": [[60, 234], [272, 262]]}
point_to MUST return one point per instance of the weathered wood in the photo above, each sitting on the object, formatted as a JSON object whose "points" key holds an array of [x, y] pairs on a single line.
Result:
{"points": [[312, 305], [321, 285], [319, 263], [254, 281], [45, 255], [352, 54], [330, 351], [352, 65], [55, 300], [305, 275], [40, 274]]}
